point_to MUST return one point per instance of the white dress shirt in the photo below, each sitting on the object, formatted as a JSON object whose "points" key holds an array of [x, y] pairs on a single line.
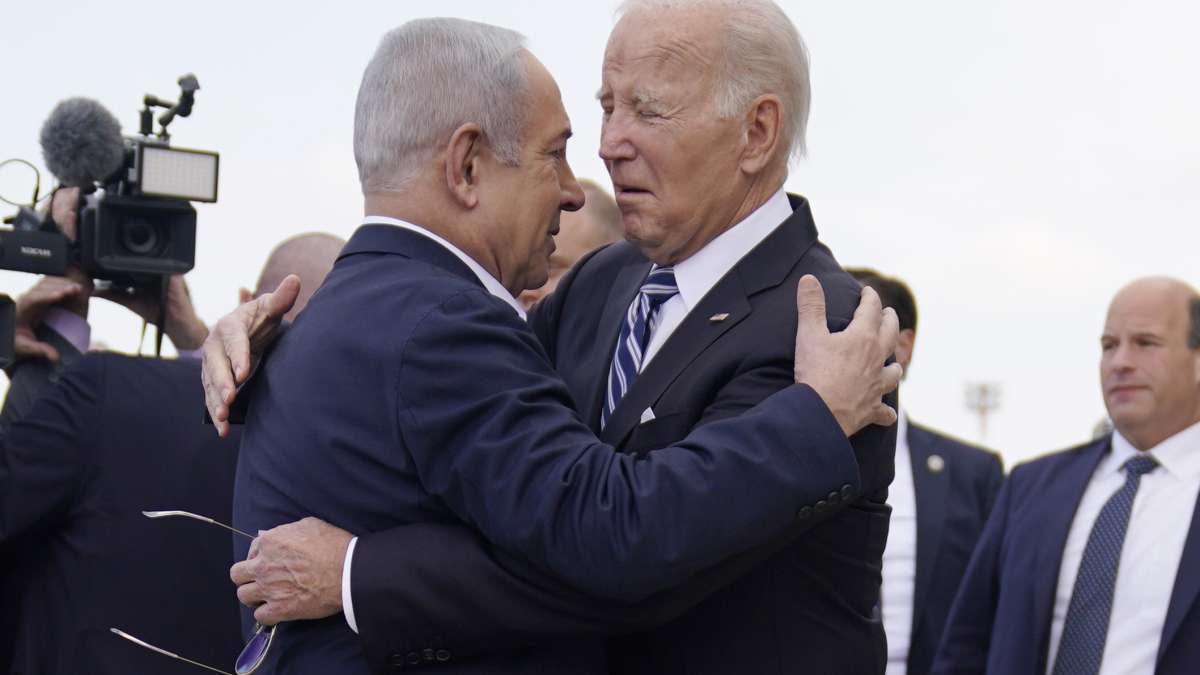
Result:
{"points": [[900, 556], [1158, 526], [494, 287], [699, 273]]}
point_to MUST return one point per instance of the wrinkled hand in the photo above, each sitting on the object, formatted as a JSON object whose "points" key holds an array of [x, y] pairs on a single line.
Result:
{"points": [[185, 329], [846, 369], [48, 292], [294, 572], [235, 344]]}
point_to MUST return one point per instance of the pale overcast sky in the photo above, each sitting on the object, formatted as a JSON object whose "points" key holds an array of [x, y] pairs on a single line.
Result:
{"points": [[1016, 162]]}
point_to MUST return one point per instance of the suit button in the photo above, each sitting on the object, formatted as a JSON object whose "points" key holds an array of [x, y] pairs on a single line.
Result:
{"points": [[804, 512], [835, 497], [428, 655], [413, 658], [821, 506], [847, 491], [443, 655]]}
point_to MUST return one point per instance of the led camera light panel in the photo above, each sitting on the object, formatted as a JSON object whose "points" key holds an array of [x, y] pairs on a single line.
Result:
{"points": [[178, 173]]}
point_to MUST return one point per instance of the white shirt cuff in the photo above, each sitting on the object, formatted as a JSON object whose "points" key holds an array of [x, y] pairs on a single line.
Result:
{"points": [[347, 602]]}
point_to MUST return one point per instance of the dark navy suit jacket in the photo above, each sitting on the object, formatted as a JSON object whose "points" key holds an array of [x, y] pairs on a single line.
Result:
{"points": [[406, 393], [805, 603], [953, 503], [1000, 622], [116, 435]]}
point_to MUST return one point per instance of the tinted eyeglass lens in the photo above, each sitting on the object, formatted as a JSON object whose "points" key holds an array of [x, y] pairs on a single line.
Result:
{"points": [[254, 652]]}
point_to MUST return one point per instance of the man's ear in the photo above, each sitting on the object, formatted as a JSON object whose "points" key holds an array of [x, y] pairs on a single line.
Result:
{"points": [[905, 343], [763, 133], [244, 296], [463, 163]]}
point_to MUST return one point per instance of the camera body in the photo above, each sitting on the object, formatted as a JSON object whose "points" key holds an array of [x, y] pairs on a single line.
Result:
{"points": [[141, 225], [136, 223], [127, 235]]}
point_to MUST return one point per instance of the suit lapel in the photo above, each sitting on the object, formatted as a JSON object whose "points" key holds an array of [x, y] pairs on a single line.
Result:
{"points": [[624, 287], [766, 266], [1187, 585], [687, 342], [930, 488], [1054, 527]]}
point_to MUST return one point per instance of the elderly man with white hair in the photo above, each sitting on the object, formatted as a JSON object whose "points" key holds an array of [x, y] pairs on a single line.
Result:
{"points": [[410, 396]]}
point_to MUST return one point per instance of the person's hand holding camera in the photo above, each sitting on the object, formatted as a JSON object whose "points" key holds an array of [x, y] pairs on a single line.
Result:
{"points": [[69, 292], [183, 326]]}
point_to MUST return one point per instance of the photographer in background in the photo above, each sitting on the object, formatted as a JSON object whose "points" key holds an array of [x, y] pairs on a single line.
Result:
{"points": [[83, 457]]}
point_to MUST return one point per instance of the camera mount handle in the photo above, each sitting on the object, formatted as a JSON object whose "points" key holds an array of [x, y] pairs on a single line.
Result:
{"points": [[188, 86]]}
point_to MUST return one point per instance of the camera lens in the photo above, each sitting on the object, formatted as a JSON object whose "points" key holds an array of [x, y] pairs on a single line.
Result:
{"points": [[140, 238]]}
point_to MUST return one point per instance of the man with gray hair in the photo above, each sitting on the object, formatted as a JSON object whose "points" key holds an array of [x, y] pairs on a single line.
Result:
{"points": [[410, 391]]}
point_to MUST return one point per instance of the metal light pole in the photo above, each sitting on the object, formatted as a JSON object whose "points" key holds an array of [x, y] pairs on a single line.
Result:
{"points": [[983, 398]]}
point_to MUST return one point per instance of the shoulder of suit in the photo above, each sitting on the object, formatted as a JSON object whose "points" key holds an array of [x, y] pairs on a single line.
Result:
{"points": [[427, 285], [950, 444], [610, 257], [1057, 458]]}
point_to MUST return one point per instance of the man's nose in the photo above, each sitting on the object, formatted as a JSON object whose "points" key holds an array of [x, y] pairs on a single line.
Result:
{"points": [[1121, 358], [572, 192], [614, 138]]}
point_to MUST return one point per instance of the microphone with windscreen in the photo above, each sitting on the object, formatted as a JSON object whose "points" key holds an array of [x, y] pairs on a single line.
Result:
{"points": [[82, 143]]}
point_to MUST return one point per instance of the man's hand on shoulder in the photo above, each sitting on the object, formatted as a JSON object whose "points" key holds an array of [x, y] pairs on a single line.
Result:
{"points": [[293, 572], [235, 344], [847, 369]]}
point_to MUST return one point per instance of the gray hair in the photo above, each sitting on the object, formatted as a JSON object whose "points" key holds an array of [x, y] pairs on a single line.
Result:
{"points": [[1194, 331], [763, 54], [427, 78]]}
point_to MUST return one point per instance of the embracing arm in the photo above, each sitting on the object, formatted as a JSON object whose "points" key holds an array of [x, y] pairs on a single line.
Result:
{"points": [[494, 436], [419, 585], [415, 583]]}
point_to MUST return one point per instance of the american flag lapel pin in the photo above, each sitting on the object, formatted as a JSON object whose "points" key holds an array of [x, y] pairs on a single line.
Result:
{"points": [[718, 318]]}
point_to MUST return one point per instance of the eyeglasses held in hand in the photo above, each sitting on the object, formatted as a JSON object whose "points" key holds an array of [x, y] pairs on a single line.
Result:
{"points": [[255, 651]]}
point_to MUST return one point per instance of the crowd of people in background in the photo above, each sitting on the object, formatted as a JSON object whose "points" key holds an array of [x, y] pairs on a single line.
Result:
{"points": [[524, 423]]}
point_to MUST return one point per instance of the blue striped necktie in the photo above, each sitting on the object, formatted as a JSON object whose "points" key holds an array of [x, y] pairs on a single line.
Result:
{"points": [[1086, 626], [640, 321]]}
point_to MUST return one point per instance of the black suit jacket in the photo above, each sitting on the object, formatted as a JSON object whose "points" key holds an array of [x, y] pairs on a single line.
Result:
{"points": [[115, 436], [406, 393], [807, 603], [954, 495]]}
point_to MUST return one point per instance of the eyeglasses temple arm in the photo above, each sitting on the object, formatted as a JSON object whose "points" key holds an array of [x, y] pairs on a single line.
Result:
{"points": [[193, 516], [164, 652]]}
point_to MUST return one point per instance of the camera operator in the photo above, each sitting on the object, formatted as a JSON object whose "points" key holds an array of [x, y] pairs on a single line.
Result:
{"points": [[85, 454], [51, 320]]}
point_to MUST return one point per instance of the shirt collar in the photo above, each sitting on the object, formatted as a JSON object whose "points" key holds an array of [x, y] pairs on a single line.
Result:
{"points": [[901, 432], [1178, 455], [696, 276], [489, 282]]}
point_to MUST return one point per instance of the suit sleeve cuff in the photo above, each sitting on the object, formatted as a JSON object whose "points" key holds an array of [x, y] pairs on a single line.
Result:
{"points": [[347, 601], [72, 327]]}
